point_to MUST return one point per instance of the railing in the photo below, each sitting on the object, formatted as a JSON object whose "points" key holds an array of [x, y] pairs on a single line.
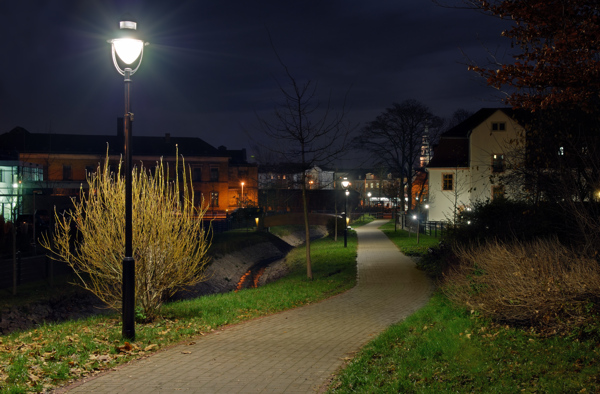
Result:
{"points": [[30, 269]]}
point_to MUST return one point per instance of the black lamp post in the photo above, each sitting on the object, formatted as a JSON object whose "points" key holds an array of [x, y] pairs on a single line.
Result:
{"points": [[126, 50], [345, 185]]}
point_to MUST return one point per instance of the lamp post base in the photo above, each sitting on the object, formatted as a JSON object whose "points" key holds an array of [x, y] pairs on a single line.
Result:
{"points": [[128, 298]]}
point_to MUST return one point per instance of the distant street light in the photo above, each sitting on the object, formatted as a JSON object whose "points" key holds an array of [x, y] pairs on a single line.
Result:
{"points": [[126, 49], [345, 185], [369, 195], [242, 196]]}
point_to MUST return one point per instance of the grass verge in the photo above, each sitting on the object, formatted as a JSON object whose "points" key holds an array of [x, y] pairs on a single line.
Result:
{"points": [[445, 348], [362, 220], [55, 354], [442, 348], [407, 242]]}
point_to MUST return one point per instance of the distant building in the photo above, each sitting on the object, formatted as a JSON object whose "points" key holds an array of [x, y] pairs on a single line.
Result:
{"points": [[18, 181], [65, 159]]}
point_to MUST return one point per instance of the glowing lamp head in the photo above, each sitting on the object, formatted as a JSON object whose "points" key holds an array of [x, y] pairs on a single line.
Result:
{"points": [[345, 183], [128, 49]]}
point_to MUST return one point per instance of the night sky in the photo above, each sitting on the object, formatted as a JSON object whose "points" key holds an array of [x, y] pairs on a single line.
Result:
{"points": [[210, 66]]}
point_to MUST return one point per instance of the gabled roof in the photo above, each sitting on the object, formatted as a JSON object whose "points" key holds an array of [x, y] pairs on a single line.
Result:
{"points": [[19, 140], [451, 153], [453, 148]]}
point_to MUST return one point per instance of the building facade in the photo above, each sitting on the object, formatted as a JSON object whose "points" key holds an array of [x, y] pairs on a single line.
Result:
{"points": [[470, 162], [218, 175]]}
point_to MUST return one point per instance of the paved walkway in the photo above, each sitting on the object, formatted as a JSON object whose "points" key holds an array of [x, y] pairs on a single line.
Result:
{"points": [[290, 352]]}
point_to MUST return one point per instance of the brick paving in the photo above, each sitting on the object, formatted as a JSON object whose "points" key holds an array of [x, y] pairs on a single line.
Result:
{"points": [[295, 351]]}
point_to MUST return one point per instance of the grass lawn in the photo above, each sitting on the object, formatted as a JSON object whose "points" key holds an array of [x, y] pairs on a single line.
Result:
{"points": [[54, 354], [443, 348], [407, 242]]}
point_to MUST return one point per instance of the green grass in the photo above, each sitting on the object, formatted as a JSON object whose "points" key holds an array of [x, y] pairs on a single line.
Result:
{"points": [[287, 229], [362, 220], [407, 242], [40, 359], [442, 349]]}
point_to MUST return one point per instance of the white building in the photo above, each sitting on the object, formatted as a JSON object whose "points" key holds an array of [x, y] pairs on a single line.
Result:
{"points": [[470, 161]]}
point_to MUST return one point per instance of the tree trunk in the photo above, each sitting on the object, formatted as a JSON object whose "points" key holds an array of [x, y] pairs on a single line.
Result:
{"points": [[309, 274]]}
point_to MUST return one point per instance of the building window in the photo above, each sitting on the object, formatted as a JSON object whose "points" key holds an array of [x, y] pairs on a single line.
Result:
{"points": [[197, 175], [214, 199], [67, 175], [448, 182], [498, 163], [1, 176], [497, 192], [498, 126], [214, 174]]}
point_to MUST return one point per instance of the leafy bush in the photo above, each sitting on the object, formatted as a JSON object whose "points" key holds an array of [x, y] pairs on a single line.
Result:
{"points": [[540, 283], [504, 219]]}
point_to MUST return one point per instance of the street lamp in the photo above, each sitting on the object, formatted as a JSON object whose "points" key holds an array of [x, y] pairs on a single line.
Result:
{"points": [[126, 50], [369, 195], [345, 185]]}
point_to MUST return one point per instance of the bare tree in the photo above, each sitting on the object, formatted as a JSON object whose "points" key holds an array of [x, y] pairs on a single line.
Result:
{"points": [[395, 137], [304, 129]]}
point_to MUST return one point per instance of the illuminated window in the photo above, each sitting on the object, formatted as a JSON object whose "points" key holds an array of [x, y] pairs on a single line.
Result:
{"points": [[214, 199], [498, 163], [448, 182]]}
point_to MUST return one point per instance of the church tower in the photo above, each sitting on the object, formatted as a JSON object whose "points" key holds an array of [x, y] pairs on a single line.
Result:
{"points": [[425, 149]]}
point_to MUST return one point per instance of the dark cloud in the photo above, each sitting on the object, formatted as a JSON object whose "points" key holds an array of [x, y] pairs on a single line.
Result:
{"points": [[210, 65]]}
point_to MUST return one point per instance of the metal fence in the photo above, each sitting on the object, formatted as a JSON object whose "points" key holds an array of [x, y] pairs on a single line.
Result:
{"points": [[29, 269]]}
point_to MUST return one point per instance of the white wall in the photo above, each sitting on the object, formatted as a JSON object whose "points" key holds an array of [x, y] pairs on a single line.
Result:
{"points": [[475, 183], [443, 202], [485, 142]]}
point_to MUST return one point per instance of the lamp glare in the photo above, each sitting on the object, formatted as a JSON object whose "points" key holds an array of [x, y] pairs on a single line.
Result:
{"points": [[128, 49]]}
